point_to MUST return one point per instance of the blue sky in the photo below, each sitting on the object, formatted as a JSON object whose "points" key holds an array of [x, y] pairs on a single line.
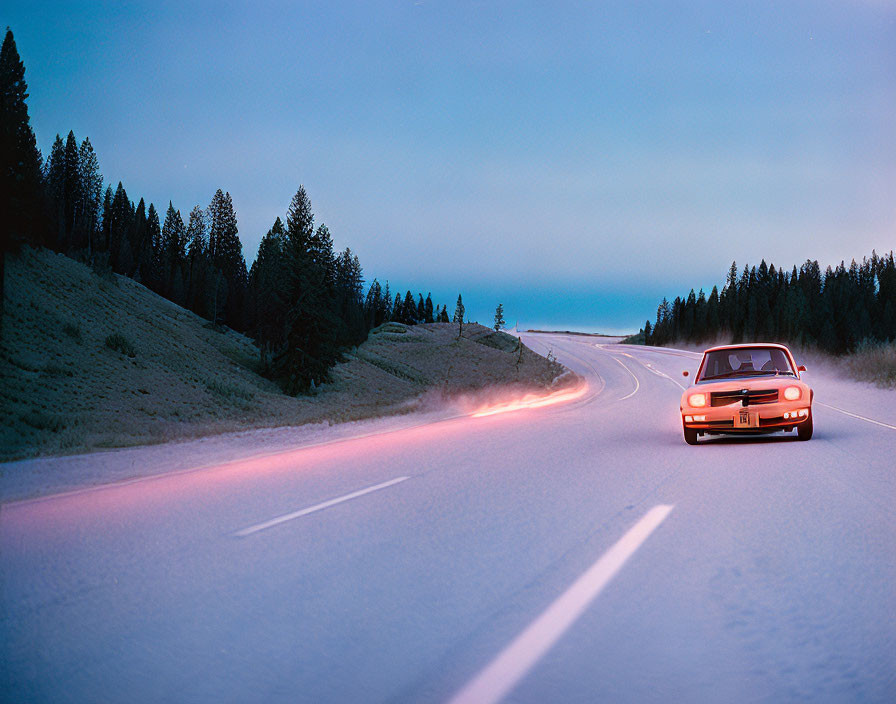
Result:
{"points": [[577, 161]]}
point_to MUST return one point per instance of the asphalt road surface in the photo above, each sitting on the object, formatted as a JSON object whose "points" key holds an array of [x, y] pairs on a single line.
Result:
{"points": [[578, 552]]}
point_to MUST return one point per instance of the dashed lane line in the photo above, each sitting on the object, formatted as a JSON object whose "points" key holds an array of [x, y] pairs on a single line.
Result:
{"points": [[317, 507], [500, 677]]}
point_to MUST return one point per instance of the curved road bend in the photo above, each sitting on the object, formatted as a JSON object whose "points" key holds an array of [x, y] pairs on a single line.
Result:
{"points": [[573, 553]]}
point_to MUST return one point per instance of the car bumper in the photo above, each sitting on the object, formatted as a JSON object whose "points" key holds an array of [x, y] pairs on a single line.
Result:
{"points": [[770, 417]]}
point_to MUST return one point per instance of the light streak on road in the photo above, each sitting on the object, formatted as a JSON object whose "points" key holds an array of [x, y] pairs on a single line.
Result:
{"points": [[533, 401]]}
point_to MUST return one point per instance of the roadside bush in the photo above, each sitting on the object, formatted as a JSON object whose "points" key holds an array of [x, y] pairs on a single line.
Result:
{"points": [[873, 361], [39, 420], [227, 390], [73, 331], [119, 343]]}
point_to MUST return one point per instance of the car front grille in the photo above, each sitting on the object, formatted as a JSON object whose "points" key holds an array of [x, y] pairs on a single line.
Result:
{"points": [[726, 398]]}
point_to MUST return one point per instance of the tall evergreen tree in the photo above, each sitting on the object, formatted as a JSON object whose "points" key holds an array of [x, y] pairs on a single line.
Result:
{"points": [[499, 317], [172, 255], [54, 176], [459, 311], [91, 188], [150, 272], [269, 281], [226, 253], [197, 262], [387, 303], [427, 309], [409, 309], [121, 255], [310, 347], [71, 196], [21, 191], [140, 244]]}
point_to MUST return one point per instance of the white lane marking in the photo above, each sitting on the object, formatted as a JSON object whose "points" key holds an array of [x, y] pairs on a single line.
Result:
{"points": [[663, 374], [646, 364], [499, 678], [317, 507], [854, 415], [637, 383], [656, 371]]}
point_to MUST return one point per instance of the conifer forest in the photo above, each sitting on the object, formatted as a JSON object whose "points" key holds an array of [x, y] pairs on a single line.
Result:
{"points": [[301, 301], [837, 311]]}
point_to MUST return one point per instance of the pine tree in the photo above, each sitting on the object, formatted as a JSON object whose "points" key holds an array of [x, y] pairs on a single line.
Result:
{"points": [[373, 304], [139, 243], [397, 309], [105, 234], [408, 309], [54, 177], [268, 280], [427, 309], [421, 309], [21, 190], [310, 346], [91, 187], [121, 256], [226, 254], [196, 262], [172, 255], [499, 317], [459, 311], [387, 304], [71, 196], [349, 297], [150, 274]]}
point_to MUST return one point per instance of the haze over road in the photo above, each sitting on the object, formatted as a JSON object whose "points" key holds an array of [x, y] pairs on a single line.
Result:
{"points": [[578, 552]]}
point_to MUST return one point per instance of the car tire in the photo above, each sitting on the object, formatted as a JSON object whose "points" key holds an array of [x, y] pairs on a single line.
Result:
{"points": [[804, 429], [690, 436]]}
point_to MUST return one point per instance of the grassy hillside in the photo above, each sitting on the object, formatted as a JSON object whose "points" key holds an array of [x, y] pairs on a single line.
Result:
{"points": [[90, 361]]}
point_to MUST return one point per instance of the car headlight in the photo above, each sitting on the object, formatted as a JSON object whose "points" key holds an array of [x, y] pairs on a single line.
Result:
{"points": [[792, 393], [697, 400]]}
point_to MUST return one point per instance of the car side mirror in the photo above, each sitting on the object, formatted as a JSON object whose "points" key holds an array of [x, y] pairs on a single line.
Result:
{"points": [[801, 368], [685, 373]]}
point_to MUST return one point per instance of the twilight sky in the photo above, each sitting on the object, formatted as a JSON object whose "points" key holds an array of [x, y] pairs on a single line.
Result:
{"points": [[576, 161]]}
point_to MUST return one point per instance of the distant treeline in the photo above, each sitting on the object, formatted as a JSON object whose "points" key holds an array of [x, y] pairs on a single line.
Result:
{"points": [[837, 310], [300, 301]]}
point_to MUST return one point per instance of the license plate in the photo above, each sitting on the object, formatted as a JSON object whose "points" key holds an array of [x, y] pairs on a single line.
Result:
{"points": [[745, 419]]}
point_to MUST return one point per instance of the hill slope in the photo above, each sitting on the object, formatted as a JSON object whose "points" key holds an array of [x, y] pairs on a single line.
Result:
{"points": [[90, 361]]}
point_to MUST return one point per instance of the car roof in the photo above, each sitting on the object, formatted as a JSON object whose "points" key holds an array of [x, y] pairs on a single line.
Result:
{"points": [[747, 345]]}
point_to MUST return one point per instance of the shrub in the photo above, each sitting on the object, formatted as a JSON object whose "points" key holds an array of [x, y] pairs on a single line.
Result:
{"points": [[39, 420], [228, 391], [873, 361], [73, 330], [119, 343]]}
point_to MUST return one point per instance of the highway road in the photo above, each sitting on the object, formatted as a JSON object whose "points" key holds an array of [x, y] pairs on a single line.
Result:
{"points": [[577, 552]]}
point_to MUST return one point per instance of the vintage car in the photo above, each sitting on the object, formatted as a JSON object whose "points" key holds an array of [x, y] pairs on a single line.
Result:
{"points": [[747, 389]]}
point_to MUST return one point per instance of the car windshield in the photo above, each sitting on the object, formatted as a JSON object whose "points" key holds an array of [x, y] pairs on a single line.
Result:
{"points": [[745, 361]]}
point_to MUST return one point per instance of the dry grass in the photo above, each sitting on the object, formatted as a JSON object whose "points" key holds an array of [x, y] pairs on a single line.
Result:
{"points": [[90, 361], [873, 362]]}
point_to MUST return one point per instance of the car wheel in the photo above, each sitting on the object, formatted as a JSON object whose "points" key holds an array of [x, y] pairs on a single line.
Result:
{"points": [[804, 429], [690, 436]]}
